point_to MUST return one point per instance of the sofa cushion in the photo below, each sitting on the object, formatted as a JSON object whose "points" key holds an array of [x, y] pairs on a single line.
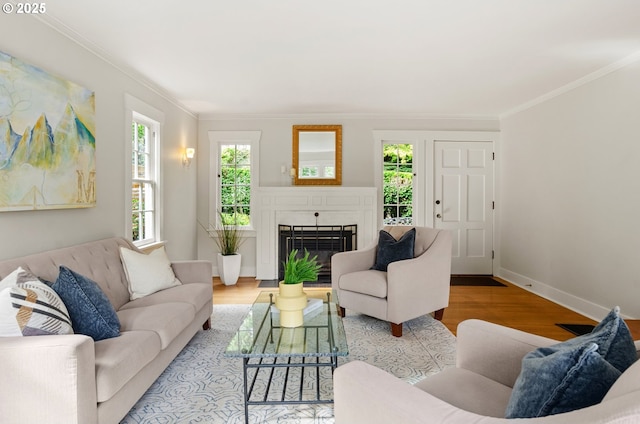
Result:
{"points": [[468, 390], [89, 308], [120, 358], [392, 250], [370, 282], [31, 308], [196, 294], [98, 260], [166, 319], [628, 382], [147, 274], [574, 374]]}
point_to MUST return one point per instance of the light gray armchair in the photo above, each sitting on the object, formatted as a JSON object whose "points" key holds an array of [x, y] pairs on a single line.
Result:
{"points": [[477, 390], [408, 289]]}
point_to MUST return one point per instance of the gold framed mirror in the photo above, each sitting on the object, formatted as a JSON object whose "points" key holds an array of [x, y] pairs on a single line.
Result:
{"points": [[317, 155]]}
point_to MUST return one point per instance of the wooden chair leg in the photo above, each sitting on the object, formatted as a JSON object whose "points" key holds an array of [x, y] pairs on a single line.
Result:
{"points": [[439, 314], [396, 329], [342, 312], [207, 324]]}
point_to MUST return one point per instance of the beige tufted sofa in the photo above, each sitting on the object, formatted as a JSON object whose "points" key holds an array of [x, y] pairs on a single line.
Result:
{"points": [[72, 379]]}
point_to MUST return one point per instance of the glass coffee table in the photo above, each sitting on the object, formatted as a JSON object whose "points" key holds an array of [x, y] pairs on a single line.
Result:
{"points": [[289, 365]]}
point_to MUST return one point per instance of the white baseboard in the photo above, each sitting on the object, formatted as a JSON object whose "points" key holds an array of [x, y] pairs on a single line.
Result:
{"points": [[575, 303]]}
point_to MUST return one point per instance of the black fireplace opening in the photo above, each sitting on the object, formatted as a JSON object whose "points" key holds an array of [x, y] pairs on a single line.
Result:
{"points": [[322, 241]]}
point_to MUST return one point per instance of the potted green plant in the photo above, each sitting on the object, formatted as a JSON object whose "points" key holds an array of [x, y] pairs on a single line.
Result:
{"points": [[292, 300], [298, 270], [228, 237]]}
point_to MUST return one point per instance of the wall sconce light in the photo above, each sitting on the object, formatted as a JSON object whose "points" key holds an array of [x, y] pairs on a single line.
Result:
{"points": [[189, 153]]}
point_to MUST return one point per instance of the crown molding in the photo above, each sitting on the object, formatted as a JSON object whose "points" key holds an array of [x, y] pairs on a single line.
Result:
{"points": [[333, 116], [75, 37], [575, 84], [72, 35]]}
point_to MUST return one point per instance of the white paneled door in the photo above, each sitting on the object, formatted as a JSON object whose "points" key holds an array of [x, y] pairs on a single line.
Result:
{"points": [[463, 199]]}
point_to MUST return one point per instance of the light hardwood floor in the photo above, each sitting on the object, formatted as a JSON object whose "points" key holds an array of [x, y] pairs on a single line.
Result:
{"points": [[510, 306]]}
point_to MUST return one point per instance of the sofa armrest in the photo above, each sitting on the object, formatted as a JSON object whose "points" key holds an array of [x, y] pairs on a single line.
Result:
{"points": [[195, 271], [365, 394], [48, 379], [493, 350], [352, 261]]}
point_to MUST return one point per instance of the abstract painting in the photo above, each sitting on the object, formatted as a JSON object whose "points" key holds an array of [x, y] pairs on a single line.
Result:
{"points": [[47, 140]]}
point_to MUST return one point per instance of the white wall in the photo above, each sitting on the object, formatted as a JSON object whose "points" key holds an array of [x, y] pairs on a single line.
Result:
{"points": [[33, 42], [570, 189], [358, 155]]}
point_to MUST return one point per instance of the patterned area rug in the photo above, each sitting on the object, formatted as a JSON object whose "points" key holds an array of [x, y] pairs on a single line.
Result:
{"points": [[202, 386]]}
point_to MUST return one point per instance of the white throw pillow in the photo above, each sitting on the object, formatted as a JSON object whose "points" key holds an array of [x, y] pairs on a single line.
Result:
{"points": [[11, 279], [147, 274], [32, 308]]}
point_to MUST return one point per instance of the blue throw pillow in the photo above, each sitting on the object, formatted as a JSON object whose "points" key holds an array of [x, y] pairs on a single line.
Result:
{"points": [[573, 374], [89, 308], [614, 341], [391, 250], [560, 379]]}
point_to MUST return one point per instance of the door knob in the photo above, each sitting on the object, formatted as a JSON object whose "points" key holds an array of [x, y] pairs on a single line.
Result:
{"points": [[437, 202], [438, 216]]}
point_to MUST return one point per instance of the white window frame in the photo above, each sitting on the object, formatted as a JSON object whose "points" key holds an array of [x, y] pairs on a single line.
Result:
{"points": [[216, 140], [138, 111]]}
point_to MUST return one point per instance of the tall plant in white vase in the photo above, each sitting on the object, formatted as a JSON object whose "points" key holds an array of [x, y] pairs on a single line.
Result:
{"points": [[228, 237]]}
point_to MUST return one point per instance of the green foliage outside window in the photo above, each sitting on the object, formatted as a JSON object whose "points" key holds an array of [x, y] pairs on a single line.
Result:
{"points": [[401, 154], [398, 184], [135, 233], [139, 136], [235, 184]]}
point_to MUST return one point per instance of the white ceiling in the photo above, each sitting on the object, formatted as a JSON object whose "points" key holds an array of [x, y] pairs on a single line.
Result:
{"points": [[411, 57]]}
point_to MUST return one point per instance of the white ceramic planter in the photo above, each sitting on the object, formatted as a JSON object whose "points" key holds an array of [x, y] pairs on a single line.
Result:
{"points": [[229, 268]]}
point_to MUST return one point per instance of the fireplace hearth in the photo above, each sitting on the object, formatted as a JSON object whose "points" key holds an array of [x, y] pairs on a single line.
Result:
{"points": [[320, 240]]}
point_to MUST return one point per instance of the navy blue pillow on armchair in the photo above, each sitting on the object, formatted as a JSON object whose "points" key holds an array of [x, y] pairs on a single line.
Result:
{"points": [[391, 250]]}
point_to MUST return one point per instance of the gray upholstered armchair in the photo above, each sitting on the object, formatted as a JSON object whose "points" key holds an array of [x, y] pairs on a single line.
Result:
{"points": [[477, 390], [408, 289]]}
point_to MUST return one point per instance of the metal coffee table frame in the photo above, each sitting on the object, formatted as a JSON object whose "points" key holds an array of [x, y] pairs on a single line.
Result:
{"points": [[287, 355]]}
